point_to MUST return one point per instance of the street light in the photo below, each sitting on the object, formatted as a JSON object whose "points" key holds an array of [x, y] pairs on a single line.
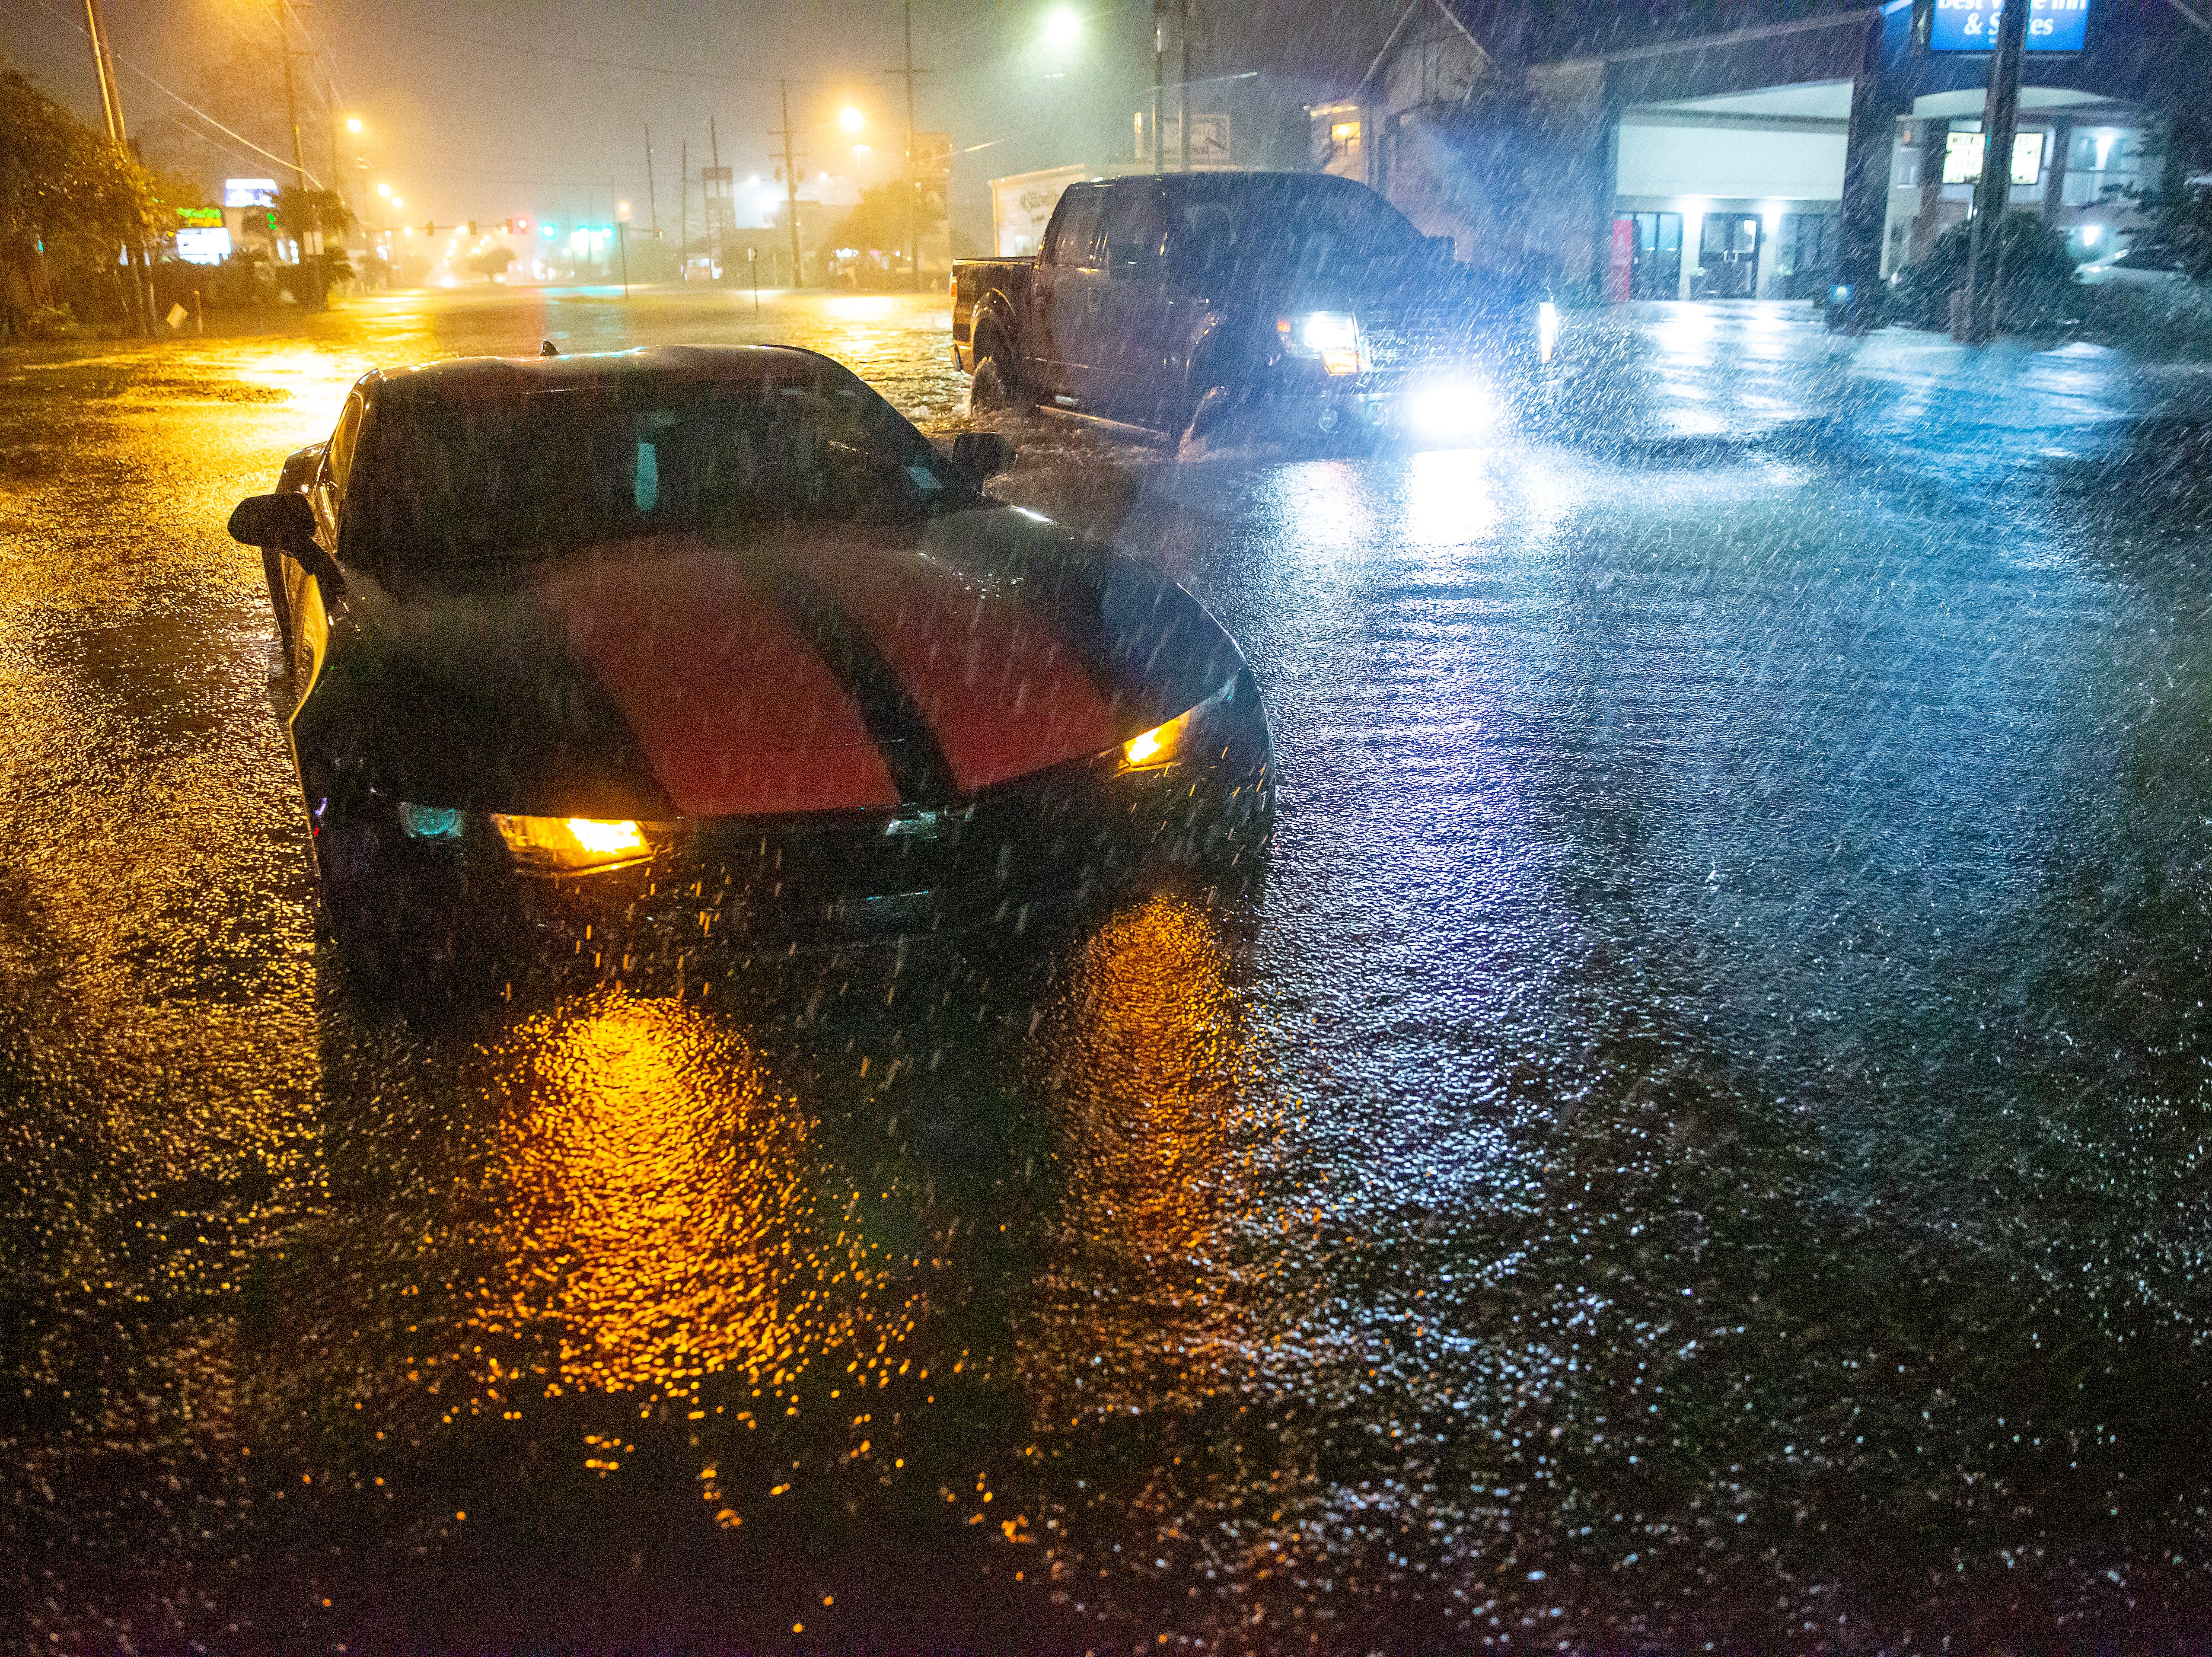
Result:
{"points": [[850, 118], [353, 124], [385, 190], [1063, 29]]}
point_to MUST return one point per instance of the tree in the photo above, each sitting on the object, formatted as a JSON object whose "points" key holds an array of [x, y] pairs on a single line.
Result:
{"points": [[879, 225], [68, 202], [2179, 205], [299, 213], [490, 262]]}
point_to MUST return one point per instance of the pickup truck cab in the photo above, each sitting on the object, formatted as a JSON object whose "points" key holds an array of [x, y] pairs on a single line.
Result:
{"points": [[1171, 301]]}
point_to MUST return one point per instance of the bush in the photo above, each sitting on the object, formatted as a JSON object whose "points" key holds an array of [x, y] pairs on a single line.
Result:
{"points": [[2039, 289], [2162, 321], [51, 322]]}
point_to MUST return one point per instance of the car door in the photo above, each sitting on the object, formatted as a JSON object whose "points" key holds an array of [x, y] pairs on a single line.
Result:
{"points": [[1134, 316], [311, 598], [1066, 288]]}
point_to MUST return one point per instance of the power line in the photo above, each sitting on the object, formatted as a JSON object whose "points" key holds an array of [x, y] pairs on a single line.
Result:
{"points": [[187, 103], [594, 62]]}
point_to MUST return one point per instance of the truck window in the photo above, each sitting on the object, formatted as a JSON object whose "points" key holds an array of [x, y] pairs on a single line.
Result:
{"points": [[1136, 228], [1074, 235]]}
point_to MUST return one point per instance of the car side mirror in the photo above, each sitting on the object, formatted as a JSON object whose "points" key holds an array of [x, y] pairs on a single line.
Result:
{"points": [[283, 520], [979, 455]]}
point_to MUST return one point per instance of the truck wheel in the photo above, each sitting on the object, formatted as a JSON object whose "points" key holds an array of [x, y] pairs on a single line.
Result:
{"points": [[997, 384], [1210, 414]]}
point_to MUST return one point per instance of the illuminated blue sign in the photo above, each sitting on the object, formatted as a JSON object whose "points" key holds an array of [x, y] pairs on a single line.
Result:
{"points": [[1972, 24]]}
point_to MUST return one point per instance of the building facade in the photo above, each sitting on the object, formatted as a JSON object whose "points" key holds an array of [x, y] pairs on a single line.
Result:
{"points": [[1729, 150]]}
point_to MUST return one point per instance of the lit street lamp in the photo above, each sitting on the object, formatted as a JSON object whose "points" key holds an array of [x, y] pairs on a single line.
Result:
{"points": [[1063, 29]]}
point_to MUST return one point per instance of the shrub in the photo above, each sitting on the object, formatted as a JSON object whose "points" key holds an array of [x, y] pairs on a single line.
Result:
{"points": [[2039, 277]]}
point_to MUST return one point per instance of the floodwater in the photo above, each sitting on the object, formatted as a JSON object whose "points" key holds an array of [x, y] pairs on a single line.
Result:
{"points": [[1700, 1140]]}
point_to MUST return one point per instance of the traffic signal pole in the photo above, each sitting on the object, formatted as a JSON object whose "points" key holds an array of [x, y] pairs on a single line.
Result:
{"points": [[1993, 189]]}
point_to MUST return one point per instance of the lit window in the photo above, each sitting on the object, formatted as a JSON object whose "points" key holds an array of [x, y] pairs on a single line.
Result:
{"points": [[1344, 132]]}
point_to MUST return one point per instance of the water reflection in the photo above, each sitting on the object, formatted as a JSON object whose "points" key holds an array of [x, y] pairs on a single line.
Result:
{"points": [[647, 1180]]}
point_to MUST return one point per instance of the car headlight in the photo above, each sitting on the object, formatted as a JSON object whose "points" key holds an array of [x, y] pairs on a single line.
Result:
{"points": [[570, 846], [1547, 330], [1332, 335], [1163, 744]]}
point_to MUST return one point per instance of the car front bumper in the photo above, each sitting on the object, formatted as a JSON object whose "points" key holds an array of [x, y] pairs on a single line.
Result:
{"points": [[717, 889]]}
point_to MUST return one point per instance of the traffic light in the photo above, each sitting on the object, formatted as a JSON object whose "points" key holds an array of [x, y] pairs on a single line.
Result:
{"points": [[473, 227], [429, 227]]}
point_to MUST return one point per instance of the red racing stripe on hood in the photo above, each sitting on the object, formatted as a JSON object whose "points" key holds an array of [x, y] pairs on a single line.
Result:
{"points": [[1005, 693], [736, 712]]}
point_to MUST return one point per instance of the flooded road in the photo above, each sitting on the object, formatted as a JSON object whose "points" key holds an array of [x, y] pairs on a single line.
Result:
{"points": [[1701, 1140]]}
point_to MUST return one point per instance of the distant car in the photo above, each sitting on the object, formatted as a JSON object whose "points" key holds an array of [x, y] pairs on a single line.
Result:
{"points": [[625, 657], [2143, 263], [1301, 299]]}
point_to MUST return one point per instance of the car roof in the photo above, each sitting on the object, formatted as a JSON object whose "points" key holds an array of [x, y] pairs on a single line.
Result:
{"points": [[494, 379]]}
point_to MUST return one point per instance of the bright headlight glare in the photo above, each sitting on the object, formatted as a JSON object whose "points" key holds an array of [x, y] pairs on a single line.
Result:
{"points": [[574, 845], [1332, 335], [1328, 330], [1547, 330], [1446, 409]]}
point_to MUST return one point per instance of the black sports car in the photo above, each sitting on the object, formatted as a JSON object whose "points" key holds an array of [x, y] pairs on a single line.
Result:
{"points": [[626, 655]]}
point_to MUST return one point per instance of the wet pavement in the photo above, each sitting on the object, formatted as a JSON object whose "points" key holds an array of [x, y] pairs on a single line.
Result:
{"points": [[1701, 1140]]}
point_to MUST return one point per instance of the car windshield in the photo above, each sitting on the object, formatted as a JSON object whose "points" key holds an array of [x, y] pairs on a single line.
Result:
{"points": [[1299, 227], [449, 482]]}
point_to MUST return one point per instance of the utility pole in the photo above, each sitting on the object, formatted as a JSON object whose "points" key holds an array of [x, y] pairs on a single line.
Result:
{"points": [[1160, 74], [1993, 190], [790, 181], [1183, 33], [651, 201], [292, 102], [682, 207], [111, 106], [621, 238], [913, 176]]}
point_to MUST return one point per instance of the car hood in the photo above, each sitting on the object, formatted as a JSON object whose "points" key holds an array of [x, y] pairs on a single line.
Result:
{"points": [[819, 668]]}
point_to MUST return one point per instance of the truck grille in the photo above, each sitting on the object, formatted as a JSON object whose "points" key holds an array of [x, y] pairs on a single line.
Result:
{"points": [[1415, 339]]}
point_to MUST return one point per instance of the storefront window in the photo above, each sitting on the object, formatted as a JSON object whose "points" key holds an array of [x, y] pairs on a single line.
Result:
{"points": [[2099, 158]]}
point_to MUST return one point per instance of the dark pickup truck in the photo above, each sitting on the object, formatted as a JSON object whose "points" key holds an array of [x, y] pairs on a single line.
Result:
{"points": [[1305, 298]]}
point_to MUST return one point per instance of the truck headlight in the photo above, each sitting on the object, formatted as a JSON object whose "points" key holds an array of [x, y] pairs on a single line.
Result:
{"points": [[1547, 330], [571, 846], [1332, 335]]}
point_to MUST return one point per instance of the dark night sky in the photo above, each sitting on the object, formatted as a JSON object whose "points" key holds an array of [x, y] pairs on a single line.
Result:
{"points": [[477, 109]]}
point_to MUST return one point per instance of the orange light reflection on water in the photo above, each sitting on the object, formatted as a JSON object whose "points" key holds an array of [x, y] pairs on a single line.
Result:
{"points": [[1167, 1128], [660, 1209]]}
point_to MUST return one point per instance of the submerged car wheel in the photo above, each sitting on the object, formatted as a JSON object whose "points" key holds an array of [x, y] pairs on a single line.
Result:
{"points": [[997, 384]]}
